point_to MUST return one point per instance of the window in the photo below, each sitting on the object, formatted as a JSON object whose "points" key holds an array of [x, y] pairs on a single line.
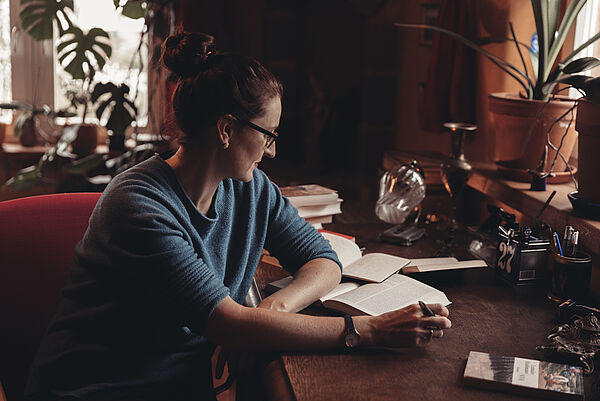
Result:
{"points": [[37, 77], [5, 79], [588, 24], [125, 62]]}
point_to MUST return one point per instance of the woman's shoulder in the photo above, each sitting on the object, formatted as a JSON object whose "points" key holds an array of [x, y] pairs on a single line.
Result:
{"points": [[150, 181]]}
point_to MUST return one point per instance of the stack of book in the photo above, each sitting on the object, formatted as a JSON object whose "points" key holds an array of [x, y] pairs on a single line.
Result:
{"points": [[317, 204]]}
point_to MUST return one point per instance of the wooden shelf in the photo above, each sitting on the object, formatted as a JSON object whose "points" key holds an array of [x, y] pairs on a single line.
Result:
{"points": [[558, 214], [485, 179]]}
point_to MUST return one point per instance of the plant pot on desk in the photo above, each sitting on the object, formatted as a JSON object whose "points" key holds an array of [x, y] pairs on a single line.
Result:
{"points": [[588, 126], [86, 140], [513, 117]]}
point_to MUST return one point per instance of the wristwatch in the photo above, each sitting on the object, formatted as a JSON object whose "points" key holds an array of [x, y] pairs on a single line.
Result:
{"points": [[351, 335]]}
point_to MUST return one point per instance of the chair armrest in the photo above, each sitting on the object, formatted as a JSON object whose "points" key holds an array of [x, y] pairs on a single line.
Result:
{"points": [[2, 395]]}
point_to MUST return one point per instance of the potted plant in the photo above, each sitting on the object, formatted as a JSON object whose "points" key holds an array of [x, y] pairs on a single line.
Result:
{"points": [[519, 121], [587, 198], [81, 53], [55, 166], [27, 125], [114, 101]]}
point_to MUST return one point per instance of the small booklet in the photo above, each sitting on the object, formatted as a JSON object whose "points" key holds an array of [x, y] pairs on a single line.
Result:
{"points": [[438, 264], [524, 376], [386, 291]]}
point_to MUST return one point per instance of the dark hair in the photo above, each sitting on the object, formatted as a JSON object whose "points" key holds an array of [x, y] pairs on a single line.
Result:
{"points": [[212, 84]]}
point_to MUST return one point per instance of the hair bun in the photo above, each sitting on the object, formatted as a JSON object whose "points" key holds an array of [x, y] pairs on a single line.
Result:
{"points": [[184, 53]]}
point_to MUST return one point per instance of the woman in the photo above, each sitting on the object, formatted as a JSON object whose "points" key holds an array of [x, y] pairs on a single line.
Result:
{"points": [[172, 246]]}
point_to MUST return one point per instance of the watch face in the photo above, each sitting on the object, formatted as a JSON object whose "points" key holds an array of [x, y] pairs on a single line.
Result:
{"points": [[352, 339]]}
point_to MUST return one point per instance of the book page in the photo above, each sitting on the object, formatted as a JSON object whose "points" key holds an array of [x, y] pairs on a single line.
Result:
{"points": [[375, 267], [394, 293], [346, 249], [341, 288]]}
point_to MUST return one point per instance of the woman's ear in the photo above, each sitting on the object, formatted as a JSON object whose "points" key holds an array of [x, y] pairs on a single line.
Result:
{"points": [[225, 128]]}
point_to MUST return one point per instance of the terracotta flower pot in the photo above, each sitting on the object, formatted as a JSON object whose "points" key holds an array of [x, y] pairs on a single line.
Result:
{"points": [[86, 141], [512, 117], [3, 129], [588, 126]]}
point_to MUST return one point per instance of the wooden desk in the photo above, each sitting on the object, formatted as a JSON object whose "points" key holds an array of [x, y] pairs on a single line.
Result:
{"points": [[487, 315]]}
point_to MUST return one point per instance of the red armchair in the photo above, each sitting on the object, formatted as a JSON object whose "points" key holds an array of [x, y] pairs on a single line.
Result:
{"points": [[37, 239]]}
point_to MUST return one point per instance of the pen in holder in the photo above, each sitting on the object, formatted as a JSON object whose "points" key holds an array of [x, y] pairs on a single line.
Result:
{"points": [[570, 276]]}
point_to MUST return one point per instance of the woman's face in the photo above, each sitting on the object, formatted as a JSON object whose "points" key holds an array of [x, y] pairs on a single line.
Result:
{"points": [[248, 146]]}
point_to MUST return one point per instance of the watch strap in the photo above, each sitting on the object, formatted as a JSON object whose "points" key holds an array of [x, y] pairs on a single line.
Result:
{"points": [[349, 324]]}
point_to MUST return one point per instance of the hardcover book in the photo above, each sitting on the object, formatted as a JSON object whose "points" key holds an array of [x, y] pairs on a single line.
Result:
{"points": [[311, 194], [525, 376]]}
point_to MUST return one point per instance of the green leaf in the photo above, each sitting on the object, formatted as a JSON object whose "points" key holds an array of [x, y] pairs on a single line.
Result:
{"points": [[81, 48], [565, 26], [582, 46], [580, 65], [534, 63], [592, 90], [38, 16], [85, 164], [25, 179], [505, 66], [16, 106], [576, 81], [114, 100], [20, 123], [134, 9]]}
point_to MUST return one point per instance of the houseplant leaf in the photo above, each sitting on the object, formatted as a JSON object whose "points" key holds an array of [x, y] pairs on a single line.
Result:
{"points": [[85, 164], [581, 64], [581, 47], [505, 66], [122, 111], [37, 17], [84, 49], [567, 22], [24, 179], [134, 9]]}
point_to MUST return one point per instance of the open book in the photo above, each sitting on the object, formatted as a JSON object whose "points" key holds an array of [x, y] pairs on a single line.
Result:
{"points": [[386, 291]]}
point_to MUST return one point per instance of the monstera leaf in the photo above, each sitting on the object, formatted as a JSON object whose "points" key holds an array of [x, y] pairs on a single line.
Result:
{"points": [[37, 17], [133, 9], [116, 102], [81, 48]]}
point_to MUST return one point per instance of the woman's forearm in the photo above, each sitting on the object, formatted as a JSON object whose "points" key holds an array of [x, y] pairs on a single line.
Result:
{"points": [[312, 281], [234, 326]]}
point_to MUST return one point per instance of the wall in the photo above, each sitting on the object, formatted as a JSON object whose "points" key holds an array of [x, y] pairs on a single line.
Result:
{"points": [[353, 82], [492, 17]]}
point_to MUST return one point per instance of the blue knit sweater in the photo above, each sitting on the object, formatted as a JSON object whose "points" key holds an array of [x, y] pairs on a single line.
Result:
{"points": [[149, 272]]}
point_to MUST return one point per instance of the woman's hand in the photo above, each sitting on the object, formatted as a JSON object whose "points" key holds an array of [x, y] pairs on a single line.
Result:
{"points": [[404, 327]]}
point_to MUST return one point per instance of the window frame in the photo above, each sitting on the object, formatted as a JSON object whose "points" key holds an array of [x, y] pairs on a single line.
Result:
{"points": [[33, 73]]}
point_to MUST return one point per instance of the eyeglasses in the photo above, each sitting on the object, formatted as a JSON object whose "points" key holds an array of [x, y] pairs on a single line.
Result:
{"points": [[269, 136]]}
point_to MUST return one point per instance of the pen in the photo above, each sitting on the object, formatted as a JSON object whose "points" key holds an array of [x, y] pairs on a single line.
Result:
{"points": [[557, 243], [567, 239], [574, 242], [425, 309]]}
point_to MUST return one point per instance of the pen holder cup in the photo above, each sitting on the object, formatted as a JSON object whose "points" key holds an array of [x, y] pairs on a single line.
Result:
{"points": [[570, 276]]}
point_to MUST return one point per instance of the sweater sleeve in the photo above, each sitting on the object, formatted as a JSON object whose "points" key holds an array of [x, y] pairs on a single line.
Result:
{"points": [[150, 247], [290, 238]]}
